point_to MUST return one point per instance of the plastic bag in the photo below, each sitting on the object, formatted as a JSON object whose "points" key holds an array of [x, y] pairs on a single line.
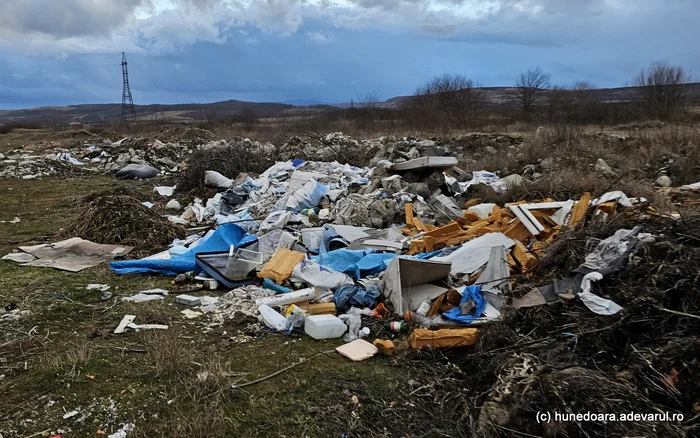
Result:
{"points": [[308, 196], [215, 179]]}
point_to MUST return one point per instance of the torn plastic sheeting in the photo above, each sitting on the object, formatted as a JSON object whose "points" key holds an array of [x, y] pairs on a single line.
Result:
{"points": [[469, 293], [220, 240], [346, 233], [319, 276], [280, 219], [616, 196], [611, 250], [142, 298], [243, 219], [361, 263], [273, 241], [596, 304], [474, 254], [691, 187], [308, 196], [484, 177], [494, 279]]}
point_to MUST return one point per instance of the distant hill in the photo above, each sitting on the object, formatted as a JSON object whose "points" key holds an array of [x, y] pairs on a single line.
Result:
{"points": [[296, 108], [95, 113]]}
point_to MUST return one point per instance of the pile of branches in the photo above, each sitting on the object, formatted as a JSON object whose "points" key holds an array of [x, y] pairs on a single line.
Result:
{"points": [[563, 357], [229, 160], [116, 218]]}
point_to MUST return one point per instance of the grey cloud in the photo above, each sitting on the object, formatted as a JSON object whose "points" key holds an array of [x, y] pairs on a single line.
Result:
{"points": [[65, 18]]}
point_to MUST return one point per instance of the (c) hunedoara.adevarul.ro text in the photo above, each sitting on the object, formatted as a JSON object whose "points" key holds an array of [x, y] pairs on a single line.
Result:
{"points": [[656, 417]]}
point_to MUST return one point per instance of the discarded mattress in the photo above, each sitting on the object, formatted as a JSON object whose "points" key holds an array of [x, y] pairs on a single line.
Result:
{"points": [[221, 240]]}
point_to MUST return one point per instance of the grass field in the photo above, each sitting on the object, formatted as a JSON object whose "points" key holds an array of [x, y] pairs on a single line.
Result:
{"points": [[174, 383]]}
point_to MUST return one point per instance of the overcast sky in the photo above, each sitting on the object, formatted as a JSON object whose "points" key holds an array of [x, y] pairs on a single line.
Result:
{"points": [[61, 52]]}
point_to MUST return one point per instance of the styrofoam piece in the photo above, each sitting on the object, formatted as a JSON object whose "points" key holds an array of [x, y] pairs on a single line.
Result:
{"points": [[425, 163], [187, 300], [128, 319], [289, 298], [357, 350], [482, 210]]}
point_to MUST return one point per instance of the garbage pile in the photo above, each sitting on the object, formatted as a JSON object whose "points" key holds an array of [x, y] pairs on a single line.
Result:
{"points": [[25, 164], [566, 357], [329, 249]]}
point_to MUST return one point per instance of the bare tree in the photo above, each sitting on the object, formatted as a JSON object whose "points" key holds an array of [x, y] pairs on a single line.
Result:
{"points": [[249, 117], [449, 99], [661, 88], [529, 87]]}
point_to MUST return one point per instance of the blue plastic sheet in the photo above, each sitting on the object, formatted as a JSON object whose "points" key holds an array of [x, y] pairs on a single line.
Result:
{"points": [[470, 292], [221, 240], [355, 262], [349, 296]]}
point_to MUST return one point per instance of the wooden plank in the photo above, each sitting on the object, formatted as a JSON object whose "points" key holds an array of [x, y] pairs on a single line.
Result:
{"points": [[524, 257], [451, 228], [580, 209], [517, 231], [409, 215]]}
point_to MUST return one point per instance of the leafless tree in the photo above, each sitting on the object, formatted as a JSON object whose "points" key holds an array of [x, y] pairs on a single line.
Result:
{"points": [[661, 88], [249, 117], [448, 99], [529, 87]]}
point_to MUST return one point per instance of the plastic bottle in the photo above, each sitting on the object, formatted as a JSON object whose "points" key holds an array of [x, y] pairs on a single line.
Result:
{"points": [[397, 326], [187, 277], [364, 332], [424, 308], [273, 319], [423, 321]]}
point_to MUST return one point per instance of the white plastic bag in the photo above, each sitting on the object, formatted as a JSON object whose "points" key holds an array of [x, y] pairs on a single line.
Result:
{"points": [[215, 179]]}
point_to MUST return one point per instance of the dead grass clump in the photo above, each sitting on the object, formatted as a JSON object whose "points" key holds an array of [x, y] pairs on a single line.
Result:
{"points": [[166, 350], [122, 219], [72, 357]]}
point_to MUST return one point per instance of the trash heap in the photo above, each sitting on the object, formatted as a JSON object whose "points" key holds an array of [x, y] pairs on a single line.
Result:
{"points": [[330, 249], [26, 164]]}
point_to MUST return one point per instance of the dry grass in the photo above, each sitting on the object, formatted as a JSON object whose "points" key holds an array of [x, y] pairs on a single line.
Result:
{"points": [[167, 351], [72, 358]]}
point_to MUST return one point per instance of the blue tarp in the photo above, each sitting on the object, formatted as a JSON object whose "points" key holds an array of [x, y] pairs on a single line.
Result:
{"points": [[221, 240], [359, 263], [470, 292]]}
